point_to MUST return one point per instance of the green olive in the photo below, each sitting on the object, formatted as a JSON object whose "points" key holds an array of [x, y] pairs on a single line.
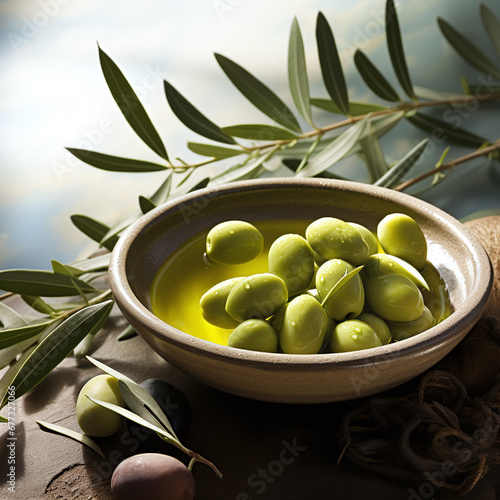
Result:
{"points": [[213, 303], [436, 298], [353, 335], [303, 326], [348, 302], [291, 258], [334, 239], [382, 263], [400, 235], [258, 296], [255, 335], [234, 242], [378, 324], [394, 298], [368, 236], [96, 420], [401, 331]]}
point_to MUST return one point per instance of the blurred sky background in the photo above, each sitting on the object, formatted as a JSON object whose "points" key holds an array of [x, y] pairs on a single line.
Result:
{"points": [[53, 94]]}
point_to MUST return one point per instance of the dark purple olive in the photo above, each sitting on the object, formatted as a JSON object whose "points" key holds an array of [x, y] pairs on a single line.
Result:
{"points": [[176, 407], [152, 476]]}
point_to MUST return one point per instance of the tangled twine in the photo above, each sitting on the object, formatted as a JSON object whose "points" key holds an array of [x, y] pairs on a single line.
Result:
{"points": [[438, 434]]}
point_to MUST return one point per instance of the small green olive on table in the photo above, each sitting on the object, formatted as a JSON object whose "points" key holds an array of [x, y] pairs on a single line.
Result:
{"points": [[394, 298], [400, 235], [353, 335], [95, 420], [255, 335], [234, 242], [258, 296]]}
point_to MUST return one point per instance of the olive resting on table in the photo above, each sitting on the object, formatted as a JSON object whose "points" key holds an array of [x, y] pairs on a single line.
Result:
{"points": [[340, 288]]}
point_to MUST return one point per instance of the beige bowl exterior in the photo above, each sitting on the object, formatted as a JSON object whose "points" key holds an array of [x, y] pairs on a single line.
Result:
{"points": [[283, 378]]}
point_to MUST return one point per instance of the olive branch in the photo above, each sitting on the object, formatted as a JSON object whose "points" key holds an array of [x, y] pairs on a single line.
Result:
{"points": [[33, 345]]}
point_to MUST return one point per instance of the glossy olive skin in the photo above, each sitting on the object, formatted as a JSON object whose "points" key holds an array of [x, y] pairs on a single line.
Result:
{"points": [[152, 476], [381, 263], [401, 331], [256, 297], [368, 236], [177, 409], [254, 335], [334, 239], [400, 235], [353, 335], [349, 300], [303, 326], [234, 242], [95, 420], [291, 258], [213, 304], [378, 324], [394, 298]]}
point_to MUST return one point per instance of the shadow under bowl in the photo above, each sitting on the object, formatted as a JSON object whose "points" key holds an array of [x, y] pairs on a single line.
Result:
{"points": [[283, 378]]}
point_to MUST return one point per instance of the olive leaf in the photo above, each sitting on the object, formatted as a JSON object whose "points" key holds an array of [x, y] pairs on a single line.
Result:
{"points": [[331, 68], [161, 195], [95, 230], [467, 49], [192, 118], [9, 354], [340, 283], [127, 333], [42, 283], [38, 304], [59, 268], [491, 24], [335, 151], [130, 105], [114, 163], [213, 151], [356, 108], [297, 73], [3, 419], [10, 318], [200, 185], [374, 78], [397, 171], [445, 130], [53, 348], [76, 436], [98, 263], [396, 51], [372, 151], [259, 132], [258, 94], [146, 204], [111, 237], [373, 263]]}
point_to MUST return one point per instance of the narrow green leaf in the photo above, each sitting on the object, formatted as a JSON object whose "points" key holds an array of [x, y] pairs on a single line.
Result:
{"points": [[38, 304], [10, 318], [310, 151], [492, 25], [258, 94], [375, 80], [433, 95], [467, 49], [3, 419], [396, 51], [41, 283], [259, 132], [99, 263], [335, 151], [57, 345], [213, 151], [396, 173], [192, 118], [161, 195], [127, 333], [135, 393], [372, 151], [95, 230], [146, 204], [297, 72], [111, 237], [130, 105], [446, 131], [331, 68], [59, 268], [114, 163], [201, 185], [9, 354], [336, 288], [293, 165], [76, 436], [356, 108]]}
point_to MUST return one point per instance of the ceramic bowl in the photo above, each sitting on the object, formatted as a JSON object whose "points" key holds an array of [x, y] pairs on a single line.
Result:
{"points": [[457, 254]]}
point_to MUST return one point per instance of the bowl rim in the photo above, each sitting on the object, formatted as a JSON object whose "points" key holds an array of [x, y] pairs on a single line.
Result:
{"points": [[460, 319]]}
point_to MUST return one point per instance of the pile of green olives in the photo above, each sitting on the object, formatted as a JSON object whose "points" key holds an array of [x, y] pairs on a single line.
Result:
{"points": [[338, 288]]}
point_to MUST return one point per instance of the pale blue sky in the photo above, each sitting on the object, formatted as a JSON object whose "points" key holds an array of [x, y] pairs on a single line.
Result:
{"points": [[52, 93]]}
